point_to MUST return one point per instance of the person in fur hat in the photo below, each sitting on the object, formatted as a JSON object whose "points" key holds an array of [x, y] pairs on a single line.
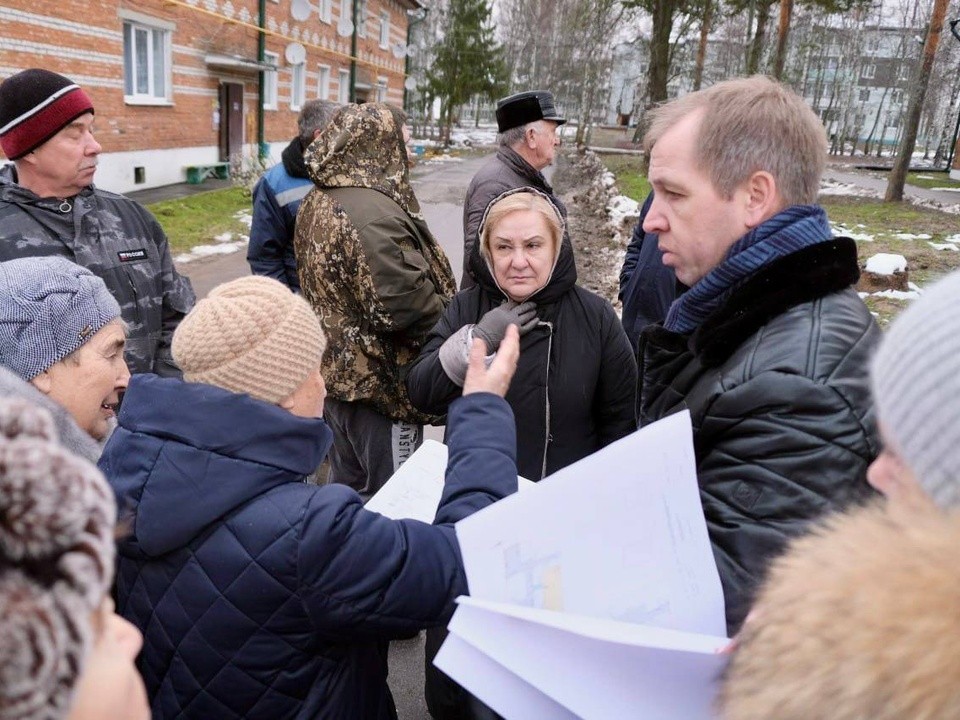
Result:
{"points": [[64, 652], [260, 595], [859, 621]]}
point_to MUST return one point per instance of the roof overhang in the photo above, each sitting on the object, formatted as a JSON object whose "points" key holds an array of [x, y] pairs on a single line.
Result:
{"points": [[237, 63]]}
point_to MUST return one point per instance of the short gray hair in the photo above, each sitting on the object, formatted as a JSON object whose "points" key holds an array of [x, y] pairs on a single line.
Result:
{"points": [[509, 138], [314, 116], [751, 124]]}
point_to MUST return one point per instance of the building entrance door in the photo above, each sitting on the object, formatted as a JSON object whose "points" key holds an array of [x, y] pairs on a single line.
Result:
{"points": [[231, 120]]}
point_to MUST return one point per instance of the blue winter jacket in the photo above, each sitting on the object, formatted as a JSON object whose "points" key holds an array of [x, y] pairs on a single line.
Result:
{"points": [[647, 286], [261, 596], [276, 200]]}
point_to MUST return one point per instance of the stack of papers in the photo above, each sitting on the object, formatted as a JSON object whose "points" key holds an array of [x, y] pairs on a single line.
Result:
{"points": [[595, 593]]}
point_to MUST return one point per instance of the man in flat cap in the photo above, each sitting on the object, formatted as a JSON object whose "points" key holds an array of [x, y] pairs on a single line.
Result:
{"points": [[527, 123], [49, 206]]}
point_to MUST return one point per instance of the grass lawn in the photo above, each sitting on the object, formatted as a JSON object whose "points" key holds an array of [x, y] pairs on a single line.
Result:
{"points": [[629, 171], [878, 227], [196, 219], [932, 180]]}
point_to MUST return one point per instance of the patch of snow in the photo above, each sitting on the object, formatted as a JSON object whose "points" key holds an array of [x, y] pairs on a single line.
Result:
{"points": [[831, 187], [863, 295], [244, 216], [913, 286], [839, 230], [952, 238], [222, 249], [912, 236], [944, 246], [886, 264], [897, 294], [620, 207], [437, 159], [925, 177], [608, 179], [223, 238], [483, 135], [947, 189]]}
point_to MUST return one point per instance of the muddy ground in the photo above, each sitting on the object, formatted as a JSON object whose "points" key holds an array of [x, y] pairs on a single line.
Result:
{"points": [[598, 245]]}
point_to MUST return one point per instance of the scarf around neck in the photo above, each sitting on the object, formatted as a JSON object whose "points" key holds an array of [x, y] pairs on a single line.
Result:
{"points": [[790, 230]]}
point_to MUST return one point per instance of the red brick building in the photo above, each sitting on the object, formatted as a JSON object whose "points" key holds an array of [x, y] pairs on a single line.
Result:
{"points": [[176, 83]]}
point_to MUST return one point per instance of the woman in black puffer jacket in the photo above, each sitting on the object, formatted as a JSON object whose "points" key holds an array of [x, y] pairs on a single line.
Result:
{"points": [[575, 385]]}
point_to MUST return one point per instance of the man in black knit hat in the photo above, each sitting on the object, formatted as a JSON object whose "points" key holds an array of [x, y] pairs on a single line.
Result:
{"points": [[49, 206]]}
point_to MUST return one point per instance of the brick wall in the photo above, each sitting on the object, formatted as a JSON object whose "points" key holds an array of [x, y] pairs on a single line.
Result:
{"points": [[84, 41]]}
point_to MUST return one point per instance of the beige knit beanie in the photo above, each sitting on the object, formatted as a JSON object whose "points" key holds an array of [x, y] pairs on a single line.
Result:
{"points": [[251, 335]]}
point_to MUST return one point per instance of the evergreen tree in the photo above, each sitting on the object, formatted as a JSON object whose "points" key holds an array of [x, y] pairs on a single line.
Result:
{"points": [[468, 60]]}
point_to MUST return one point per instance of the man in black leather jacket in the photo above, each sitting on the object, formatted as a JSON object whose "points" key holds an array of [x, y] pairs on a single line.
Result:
{"points": [[768, 349]]}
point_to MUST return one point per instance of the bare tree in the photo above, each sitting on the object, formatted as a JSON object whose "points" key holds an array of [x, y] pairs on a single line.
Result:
{"points": [[898, 175]]}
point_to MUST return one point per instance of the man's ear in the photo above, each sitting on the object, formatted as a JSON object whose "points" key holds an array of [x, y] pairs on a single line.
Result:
{"points": [[43, 382], [762, 198], [529, 137], [287, 402]]}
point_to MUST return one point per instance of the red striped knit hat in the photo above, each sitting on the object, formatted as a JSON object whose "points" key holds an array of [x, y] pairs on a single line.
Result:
{"points": [[34, 106]]}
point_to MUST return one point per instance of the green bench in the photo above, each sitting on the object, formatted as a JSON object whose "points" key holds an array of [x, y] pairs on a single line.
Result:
{"points": [[196, 174]]}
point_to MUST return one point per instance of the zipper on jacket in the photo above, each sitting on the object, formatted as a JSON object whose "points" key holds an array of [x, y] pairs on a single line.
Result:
{"points": [[546, 430], [136, 298]]}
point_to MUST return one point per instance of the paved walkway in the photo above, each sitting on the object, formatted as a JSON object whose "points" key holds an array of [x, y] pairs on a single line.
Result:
{"points": [[877, 182], [172, 192]]}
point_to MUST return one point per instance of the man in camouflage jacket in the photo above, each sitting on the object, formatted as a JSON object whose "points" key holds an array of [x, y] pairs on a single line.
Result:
{"points": [[379, 282], [48, 206]]}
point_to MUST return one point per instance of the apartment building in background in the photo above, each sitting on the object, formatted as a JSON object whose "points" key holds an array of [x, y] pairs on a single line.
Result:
{"points": [[176, 83]]}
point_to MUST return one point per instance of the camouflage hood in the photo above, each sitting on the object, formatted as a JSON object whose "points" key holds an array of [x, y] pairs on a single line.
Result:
{"points": [[363, 147]]}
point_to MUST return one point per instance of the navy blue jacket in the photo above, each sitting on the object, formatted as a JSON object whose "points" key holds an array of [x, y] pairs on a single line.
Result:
{"points": [[276, 200], [647, 286], [261, 596]]}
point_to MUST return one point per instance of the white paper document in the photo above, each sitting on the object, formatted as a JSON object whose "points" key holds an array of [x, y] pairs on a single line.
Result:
{"points": [[414, 491], [586, 574], [587, 667]]}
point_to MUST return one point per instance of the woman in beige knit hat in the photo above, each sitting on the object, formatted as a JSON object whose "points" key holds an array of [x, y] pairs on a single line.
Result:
{"points": [[260, 595]]}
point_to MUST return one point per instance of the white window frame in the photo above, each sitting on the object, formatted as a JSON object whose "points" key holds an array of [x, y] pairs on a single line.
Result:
{"points": [[346, 8], [271, 82], [897, 97], [343, 89], [384, 29], [156, 30], [298, 85], [323, 82], [381, 89], [325, 11], [904, 71], [869, 72]]}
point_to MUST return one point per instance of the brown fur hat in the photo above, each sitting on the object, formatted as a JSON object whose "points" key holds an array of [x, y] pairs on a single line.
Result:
{"points": [[860, 620], [57, 516]]}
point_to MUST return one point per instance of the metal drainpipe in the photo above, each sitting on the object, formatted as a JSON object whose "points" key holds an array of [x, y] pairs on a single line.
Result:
{"points": [[261, 57], [353, 56]]}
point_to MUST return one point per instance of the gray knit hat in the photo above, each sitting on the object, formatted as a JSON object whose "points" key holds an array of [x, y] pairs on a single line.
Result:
{"points": [[250, 335], [49, 307], [57, 518], [916, 386]]}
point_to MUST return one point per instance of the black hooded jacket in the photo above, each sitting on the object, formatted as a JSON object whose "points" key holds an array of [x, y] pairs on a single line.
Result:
{"points": [[575, 385]]}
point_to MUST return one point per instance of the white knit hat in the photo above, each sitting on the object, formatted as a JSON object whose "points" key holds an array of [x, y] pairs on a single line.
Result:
{"points": [[253, 336], [916, 385]]}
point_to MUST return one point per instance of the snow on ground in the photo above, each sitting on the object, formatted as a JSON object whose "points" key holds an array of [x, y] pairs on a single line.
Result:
{"points": [[620, 207], [898, 294], [886, 264], [831, 187], [225, 243], [944, 246], [437, 159], [843, 230], [912, 236]]}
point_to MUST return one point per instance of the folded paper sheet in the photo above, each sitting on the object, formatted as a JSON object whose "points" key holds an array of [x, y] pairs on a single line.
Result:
{"points": [[618, 537], [414, 491]]}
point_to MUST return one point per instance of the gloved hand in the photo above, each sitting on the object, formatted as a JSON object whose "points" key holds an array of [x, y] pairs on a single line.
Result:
{"points": [[493, 325]]}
